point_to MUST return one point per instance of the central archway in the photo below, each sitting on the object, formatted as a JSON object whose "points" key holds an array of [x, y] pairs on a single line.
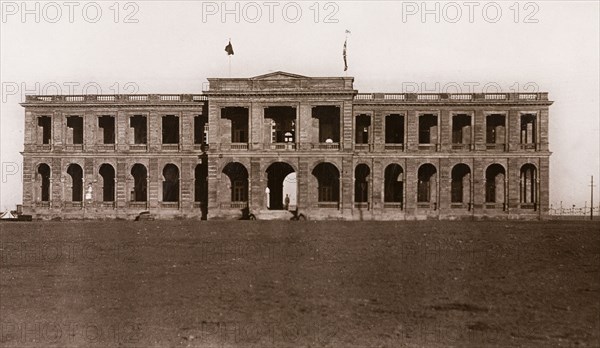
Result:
{"points": [[281, 181]]}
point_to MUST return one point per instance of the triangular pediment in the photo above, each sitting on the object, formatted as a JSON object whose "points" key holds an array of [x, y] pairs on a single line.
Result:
{"points": [[278, 75]]}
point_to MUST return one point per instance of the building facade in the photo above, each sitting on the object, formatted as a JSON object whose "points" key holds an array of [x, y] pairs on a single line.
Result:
{"points": [[278, 142]]}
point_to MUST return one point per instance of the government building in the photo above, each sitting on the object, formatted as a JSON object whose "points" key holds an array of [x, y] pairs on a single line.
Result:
{"points": [[280, 144]]}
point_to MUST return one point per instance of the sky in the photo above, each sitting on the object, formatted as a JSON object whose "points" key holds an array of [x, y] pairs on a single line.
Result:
{"points": [[394, 46]]}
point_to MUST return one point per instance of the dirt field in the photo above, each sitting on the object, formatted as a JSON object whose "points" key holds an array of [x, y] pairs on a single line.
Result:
{"points": [[300, 284]]}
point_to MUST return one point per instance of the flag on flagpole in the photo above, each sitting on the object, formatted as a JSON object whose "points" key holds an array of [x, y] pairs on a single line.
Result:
{"points": [[345, 59], [229, 49]]}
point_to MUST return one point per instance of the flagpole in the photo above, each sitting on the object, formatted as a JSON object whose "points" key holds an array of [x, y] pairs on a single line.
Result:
{"points": [[346, 41], [229, 57]]}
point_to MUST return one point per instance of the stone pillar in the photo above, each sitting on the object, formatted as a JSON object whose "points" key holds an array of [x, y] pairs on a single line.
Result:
{"points": [[121, 131], [56, 182], [377, 137], [154, 180], [121, 176], [214, 115], [256, 186], [256, 118], [213, 182], [377, 178], [544, 185], [186, 183], [90, 127], [513, 121], [302, 178], [412, 131], [514, 183], [445, 184], [29, 173], [58, 120], [30, 129], [347, 184], [347, 133], [186, 125], [304, 126], [543, 129], [479, 131], [410, 185], [478, 178], [154, 132], [445, 127]]}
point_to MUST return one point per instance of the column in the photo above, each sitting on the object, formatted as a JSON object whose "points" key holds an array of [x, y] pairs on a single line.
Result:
{"points": [[256, 119], [377, 137], [445, 129], [513, 121], [412, 131], [479, 139]]}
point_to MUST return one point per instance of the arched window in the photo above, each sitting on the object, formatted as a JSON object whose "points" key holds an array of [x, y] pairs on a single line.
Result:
{"points": [[528, 184], [43, 179], [328, 179], [494, 183], [76, 174], [238, 175], [107, 172], [276, 176], [426, 183], [393, 191], [460, 185], [140, 183], [170, 191]]}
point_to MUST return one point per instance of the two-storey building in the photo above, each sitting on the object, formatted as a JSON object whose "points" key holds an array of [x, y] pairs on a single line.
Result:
{"points": [[280, 140]]}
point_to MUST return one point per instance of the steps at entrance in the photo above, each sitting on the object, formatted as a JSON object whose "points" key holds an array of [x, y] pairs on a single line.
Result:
{"points": [[273, 215]]}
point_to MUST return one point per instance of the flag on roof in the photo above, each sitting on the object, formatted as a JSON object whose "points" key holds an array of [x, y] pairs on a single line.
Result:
{"points": [[229, 49]]}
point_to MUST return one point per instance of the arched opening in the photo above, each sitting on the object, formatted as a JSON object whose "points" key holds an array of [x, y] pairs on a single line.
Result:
{"points": [[460, 186], [238, 175], [170, 191], [107, 172], [426, 184], [494, 183], [393, 191], [328, 179], [140, 183], [361, 183], [276, 175], [76, 174], [528, 183], [43, 179]]}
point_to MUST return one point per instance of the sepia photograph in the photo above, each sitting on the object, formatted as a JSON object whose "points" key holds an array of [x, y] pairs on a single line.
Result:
{"points": [[255, 174]]}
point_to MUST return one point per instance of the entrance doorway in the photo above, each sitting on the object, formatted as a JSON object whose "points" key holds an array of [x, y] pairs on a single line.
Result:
{"points": [[281, 180]]}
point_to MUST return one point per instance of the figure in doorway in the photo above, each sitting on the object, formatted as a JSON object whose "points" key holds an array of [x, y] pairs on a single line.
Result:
{"points": [[286, 202]]}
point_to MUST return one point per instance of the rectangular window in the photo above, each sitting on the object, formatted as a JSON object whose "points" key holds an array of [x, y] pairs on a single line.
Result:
{"points": [[428, 129], [328, 120], [495, 129], [107, 124], [461, 129], [75, 130], [44, 129], [140, 129], [170, 129], [528, 129], [363, 123], [394, 129]]}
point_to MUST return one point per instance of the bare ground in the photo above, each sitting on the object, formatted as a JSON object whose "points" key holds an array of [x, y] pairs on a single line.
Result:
{"points": [[300, 284]]}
